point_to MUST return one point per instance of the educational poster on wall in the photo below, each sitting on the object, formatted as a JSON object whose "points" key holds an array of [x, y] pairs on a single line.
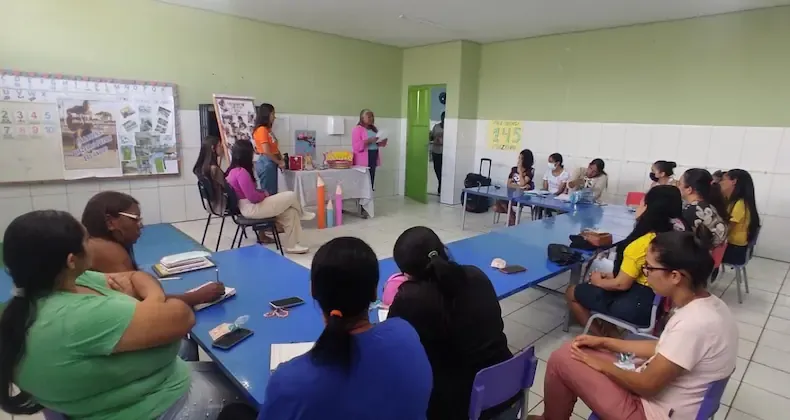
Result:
{"points": [[504, 135], [305, 143], [235, 117], [55, 127]]}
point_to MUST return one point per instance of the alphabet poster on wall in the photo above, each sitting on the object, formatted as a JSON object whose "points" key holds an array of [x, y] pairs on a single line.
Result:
{"points": [[235, 117], [56, 127], [504, 135]]}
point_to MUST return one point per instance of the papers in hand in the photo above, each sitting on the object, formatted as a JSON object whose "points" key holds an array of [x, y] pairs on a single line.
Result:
{"points": [[382, 135], [282, 353], [383, 313], [229, 291]]}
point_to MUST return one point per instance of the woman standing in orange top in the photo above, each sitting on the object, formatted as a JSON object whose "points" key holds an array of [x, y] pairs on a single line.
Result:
{"points": [[269, 156]]}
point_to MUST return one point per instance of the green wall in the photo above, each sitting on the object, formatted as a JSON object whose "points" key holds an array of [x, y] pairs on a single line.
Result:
{"points": [[724, 70], [433, 65], [298, 71]]}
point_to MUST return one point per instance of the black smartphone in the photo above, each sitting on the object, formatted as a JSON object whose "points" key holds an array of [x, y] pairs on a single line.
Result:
{"points": [[286, 303], [512, 269], [232, 338]]}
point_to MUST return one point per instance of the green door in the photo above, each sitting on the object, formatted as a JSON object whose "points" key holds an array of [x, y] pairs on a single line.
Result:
{"points": [[418, 121]]}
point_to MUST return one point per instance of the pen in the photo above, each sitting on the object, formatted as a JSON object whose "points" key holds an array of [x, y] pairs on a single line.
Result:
{"points": [[217, 272]]}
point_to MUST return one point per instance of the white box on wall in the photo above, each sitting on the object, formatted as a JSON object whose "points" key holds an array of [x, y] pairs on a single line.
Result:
{"points": [[335, 126]]}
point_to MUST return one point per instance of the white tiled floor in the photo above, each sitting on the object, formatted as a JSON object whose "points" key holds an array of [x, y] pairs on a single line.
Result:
{"points": [[759, 389]]}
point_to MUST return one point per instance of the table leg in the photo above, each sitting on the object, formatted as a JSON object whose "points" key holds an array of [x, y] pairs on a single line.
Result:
{"points": [[518, 214], [509, 208], [463, 210], [575, 278]]}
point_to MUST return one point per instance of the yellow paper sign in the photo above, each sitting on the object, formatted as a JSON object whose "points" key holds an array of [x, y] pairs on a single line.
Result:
{"points": [[504, 135]]}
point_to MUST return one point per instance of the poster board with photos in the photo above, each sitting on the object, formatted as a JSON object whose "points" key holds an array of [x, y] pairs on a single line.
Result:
{"points": [[235, 117], [57, 127]]}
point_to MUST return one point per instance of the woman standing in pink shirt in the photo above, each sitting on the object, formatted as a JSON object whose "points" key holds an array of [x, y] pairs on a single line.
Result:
{"points": [[366, 142], [259, 204], [698, 346]]}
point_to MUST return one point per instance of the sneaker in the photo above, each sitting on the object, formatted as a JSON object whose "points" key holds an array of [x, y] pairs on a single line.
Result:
{"points": [[307, 215], [297, 249]]}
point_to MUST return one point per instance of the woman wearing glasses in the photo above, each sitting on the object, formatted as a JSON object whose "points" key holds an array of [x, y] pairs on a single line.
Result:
{"points": [[113, 222]]}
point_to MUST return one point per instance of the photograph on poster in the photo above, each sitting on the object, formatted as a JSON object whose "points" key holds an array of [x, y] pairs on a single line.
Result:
{"points": [[235, 117], [89, 134]]}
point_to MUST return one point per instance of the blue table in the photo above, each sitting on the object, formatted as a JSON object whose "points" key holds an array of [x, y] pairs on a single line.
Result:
{"points": [[155, 242]]}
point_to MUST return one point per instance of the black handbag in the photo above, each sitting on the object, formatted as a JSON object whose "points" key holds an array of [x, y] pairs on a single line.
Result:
{"points": [[563, 255]]}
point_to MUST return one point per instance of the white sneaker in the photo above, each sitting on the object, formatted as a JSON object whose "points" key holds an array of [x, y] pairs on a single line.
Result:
{"points": [[297, 249], [307, 215]]}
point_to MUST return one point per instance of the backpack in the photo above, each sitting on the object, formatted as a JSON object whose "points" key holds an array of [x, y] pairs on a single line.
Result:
{"points": [[391, 287]]}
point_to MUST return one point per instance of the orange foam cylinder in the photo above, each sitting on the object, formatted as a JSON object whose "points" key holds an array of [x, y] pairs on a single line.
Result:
{"points": [[321, 202]]}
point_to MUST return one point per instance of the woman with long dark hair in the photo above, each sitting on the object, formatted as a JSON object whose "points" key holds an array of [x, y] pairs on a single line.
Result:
{"points": [[704, 204], [624, 293], [356, 370], [259, 204], [267, 148], [521, 177], [90, 345], [207, 168], [738, 187], [698, 346], [366, 142], [455, 310]]}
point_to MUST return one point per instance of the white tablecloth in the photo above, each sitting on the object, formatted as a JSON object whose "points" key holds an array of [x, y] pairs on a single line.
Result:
{"points": [[355, 183]]}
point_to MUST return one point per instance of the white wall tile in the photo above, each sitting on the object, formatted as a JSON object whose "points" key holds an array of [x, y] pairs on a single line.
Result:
{"points": [[539, 136], [567, 137], [589, 140], [13, 207], [781, 165], [121, 185], [194, 207], [773, 238], [172, 204], [637, 143], [149, 204], [632, 177], [189, 123], [612, 141], [760, 148], [694, 141], [48, 188], [664, 143], [725, 146], [77, 202], [86, 185], [778, 199], [51, 202], [14, 190]]}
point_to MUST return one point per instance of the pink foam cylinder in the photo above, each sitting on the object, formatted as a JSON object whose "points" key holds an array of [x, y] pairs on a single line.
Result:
{"points": [[338, 206]]}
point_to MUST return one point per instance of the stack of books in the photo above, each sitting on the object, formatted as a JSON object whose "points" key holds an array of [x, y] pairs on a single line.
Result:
{"points": [[182, 263]]}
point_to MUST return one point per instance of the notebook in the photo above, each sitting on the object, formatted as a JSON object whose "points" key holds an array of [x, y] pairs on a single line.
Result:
{"points": [[282, 353], [229, 291], [185, 267]]}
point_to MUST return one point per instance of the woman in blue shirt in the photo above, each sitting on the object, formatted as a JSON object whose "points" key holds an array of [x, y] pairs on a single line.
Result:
{"points": [[356, 370]]}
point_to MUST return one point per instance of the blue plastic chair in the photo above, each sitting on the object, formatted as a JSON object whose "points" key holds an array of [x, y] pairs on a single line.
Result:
{"points": [[636, 329], [497, 384], [710, 402], [51, 415]]}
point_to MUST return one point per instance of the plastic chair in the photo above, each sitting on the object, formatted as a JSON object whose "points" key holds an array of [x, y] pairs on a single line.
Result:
{"points": [[710, 402], [242, 223], [51, 415], [207, 196], [497, 384], [634, 198], [636, 329]]}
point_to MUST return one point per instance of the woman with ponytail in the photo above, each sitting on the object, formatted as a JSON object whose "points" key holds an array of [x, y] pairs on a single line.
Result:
{"points": [[698, 346], [704, 203], [355, 370], [456, 312], [76, 342]]}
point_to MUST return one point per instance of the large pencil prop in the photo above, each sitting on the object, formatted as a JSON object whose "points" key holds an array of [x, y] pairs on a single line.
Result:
{"points": [[330, 214], [338, 205], [321, 202]]}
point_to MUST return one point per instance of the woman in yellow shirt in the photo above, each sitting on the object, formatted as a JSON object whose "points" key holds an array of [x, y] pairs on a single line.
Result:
{"points": [[625, 294], [738, 187]]}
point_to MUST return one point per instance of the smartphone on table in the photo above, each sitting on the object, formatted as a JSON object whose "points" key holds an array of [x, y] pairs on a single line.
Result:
{"points": [[286, 303], [232, 338], [512, 269]]}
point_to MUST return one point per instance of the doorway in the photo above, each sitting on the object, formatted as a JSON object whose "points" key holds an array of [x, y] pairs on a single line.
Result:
{"points": [[423, 102]]}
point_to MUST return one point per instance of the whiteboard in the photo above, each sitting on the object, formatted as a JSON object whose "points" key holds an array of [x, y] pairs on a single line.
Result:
{"points": [[55, 127]]}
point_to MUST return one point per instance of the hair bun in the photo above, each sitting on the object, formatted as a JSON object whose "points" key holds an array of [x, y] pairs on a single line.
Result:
{"points": [[673, 165]]}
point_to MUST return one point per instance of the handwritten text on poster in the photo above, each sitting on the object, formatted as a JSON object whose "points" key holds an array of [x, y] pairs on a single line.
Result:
{"points": [[504, 135]]}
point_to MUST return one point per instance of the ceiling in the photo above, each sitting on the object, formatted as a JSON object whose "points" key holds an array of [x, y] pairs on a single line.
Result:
{"points": [[407, 23]]}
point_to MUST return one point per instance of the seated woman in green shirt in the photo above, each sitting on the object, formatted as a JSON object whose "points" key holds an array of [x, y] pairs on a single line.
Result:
{"points": [[94, 346]]}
